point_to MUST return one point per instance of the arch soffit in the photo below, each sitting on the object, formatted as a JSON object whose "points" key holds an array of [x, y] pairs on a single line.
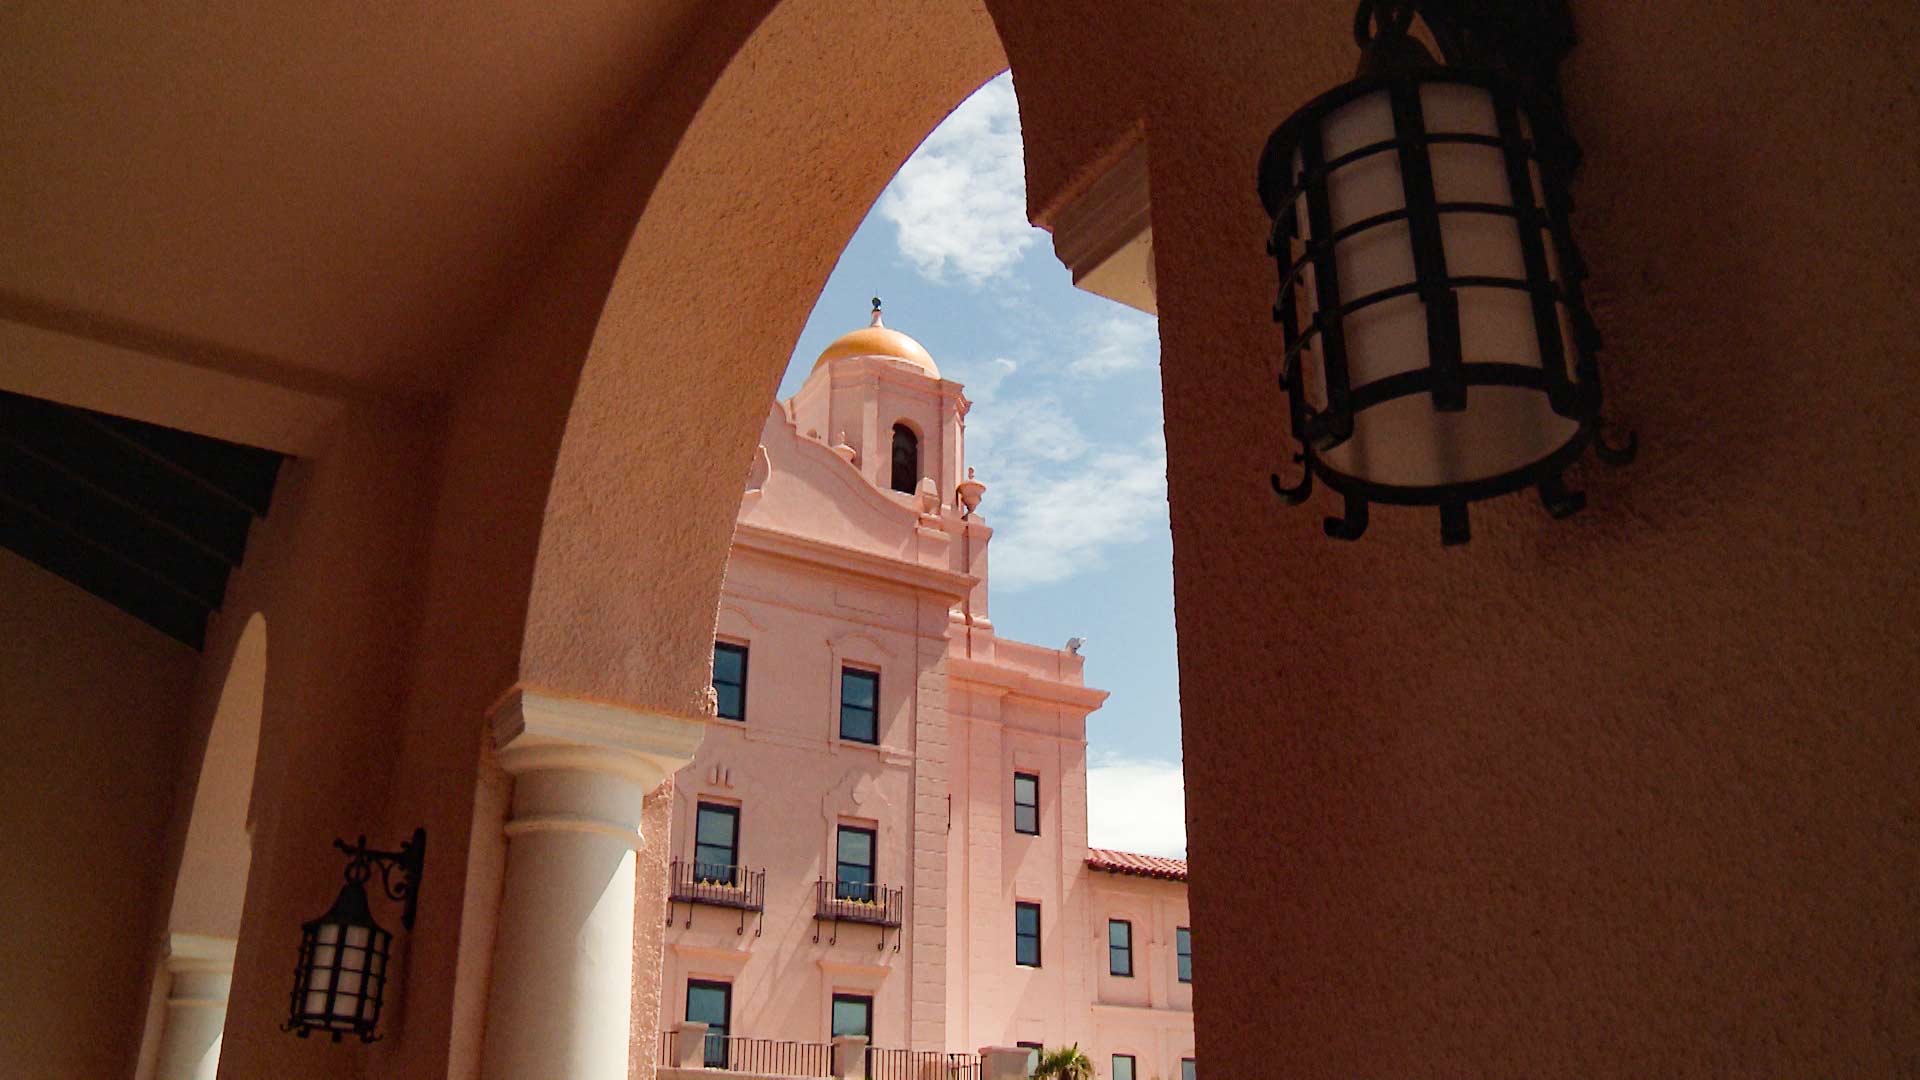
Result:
{"points": [[210, 883], [629, 567]]}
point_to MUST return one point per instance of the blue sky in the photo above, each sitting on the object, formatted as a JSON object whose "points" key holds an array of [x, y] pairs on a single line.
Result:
{"points": [[1065, 432]]}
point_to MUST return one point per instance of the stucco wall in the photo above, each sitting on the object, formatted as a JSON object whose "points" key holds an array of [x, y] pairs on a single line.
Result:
{"points": [[795, 781], [1004, 1003], [335, 568], [1625, 795], [1150, 1013], [94, 703]]}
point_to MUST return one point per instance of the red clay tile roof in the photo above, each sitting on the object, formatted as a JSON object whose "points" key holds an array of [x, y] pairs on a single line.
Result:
{"points": [[1126, 862]]}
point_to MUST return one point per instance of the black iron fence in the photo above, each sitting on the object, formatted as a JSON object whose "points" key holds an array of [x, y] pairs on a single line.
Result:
{"points": [[695, 882], [690, 882], [846, 901], [745, 1054], [921, 1065]]}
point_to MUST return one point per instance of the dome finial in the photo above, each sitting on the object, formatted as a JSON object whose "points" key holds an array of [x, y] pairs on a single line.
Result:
{"points": [[876, 312]]}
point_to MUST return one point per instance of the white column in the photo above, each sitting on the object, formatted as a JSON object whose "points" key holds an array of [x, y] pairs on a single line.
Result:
{"points": [[560, 997], [200, 974]]}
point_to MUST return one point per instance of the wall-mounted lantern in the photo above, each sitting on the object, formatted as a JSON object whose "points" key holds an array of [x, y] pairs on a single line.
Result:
{"points": [[341, 980], [1438, 348]]}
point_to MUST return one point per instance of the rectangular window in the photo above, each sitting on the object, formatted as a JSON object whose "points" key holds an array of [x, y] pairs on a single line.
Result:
{"points": [[1026, 803], [853, 858], [1183, 953], [859, 705], [1033, 1055], [1123, 1067], [853, 1015], [1026, 934], [1120, 947], [716, 843], [730, 679], [1186, 1069], [711, 1003]]}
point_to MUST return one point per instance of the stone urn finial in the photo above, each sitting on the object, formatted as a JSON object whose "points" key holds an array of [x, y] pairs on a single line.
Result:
{"points": [[969, 492]]}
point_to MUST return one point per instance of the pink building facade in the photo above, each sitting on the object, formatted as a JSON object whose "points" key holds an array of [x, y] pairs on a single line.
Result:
{"points": [[885, 832]]}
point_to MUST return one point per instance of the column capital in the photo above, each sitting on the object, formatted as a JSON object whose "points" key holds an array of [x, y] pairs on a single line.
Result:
{"points": [[534, 731]]}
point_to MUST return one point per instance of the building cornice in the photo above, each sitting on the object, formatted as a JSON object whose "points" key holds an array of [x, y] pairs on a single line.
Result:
{"points": [[946, 584], [1017, 683]]}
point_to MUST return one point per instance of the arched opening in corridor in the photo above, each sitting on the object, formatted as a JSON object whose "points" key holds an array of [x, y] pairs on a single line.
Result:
{"points": [[188, 1011], [987, 419]]}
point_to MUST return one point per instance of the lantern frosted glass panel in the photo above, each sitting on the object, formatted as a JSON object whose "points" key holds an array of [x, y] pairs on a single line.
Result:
{"points": [[344, 982], [1405, 441], [342, 975]]}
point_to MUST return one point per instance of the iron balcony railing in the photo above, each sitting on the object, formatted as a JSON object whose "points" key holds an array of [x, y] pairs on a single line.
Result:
{"points": [[921, 1065], [781, 1057], [848, 901], [742, 1053], [693, 882]]}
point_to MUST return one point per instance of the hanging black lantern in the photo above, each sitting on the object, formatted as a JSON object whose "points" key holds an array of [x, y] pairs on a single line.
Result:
{"points": [[340, 982], [1438, 348]]}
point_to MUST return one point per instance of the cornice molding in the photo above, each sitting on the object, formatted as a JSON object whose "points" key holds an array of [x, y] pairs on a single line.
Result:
{"points": [[947, 584], [1016, 683], [1104, 234]]}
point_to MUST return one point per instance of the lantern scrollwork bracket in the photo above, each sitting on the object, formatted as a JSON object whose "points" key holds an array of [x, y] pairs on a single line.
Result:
{"points": [[399, 870]]}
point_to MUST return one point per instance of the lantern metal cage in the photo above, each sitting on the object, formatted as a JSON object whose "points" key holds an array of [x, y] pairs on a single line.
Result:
{"points": [[340, 981], [1438, 348]]}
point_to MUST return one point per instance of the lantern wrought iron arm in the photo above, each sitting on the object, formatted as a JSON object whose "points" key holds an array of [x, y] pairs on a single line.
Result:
{"points": [[1397, 283], [399, 870]]}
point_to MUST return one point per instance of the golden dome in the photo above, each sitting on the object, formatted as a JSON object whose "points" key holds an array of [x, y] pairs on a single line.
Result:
{"points": [[879, 340]]}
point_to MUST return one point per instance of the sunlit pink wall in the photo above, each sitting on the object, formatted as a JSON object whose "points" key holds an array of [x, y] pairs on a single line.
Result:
{"points": [[829, 569]]}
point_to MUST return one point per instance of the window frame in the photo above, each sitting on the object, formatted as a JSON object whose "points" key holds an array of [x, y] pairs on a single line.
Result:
{"points": [[1126, 950], [1039, 923], [1034, 806], [855, 672], [894, 446], [726, 1025], [870, 889], [1183, 954], [833, 1006], [1133, 1067], [700, 809], [745, 654], [1187, 1069]]}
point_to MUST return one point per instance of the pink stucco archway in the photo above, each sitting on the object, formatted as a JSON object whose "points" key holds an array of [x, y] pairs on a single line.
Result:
{"points": [[1466, 760], [764, 188]]}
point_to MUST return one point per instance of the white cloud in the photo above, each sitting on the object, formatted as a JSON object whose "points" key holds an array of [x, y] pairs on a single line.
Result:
{"points": [[1013, 435], [1123, 341], [1057, 499], [1138, 806], [1050, 525], [984, 385], [959, 204]]}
